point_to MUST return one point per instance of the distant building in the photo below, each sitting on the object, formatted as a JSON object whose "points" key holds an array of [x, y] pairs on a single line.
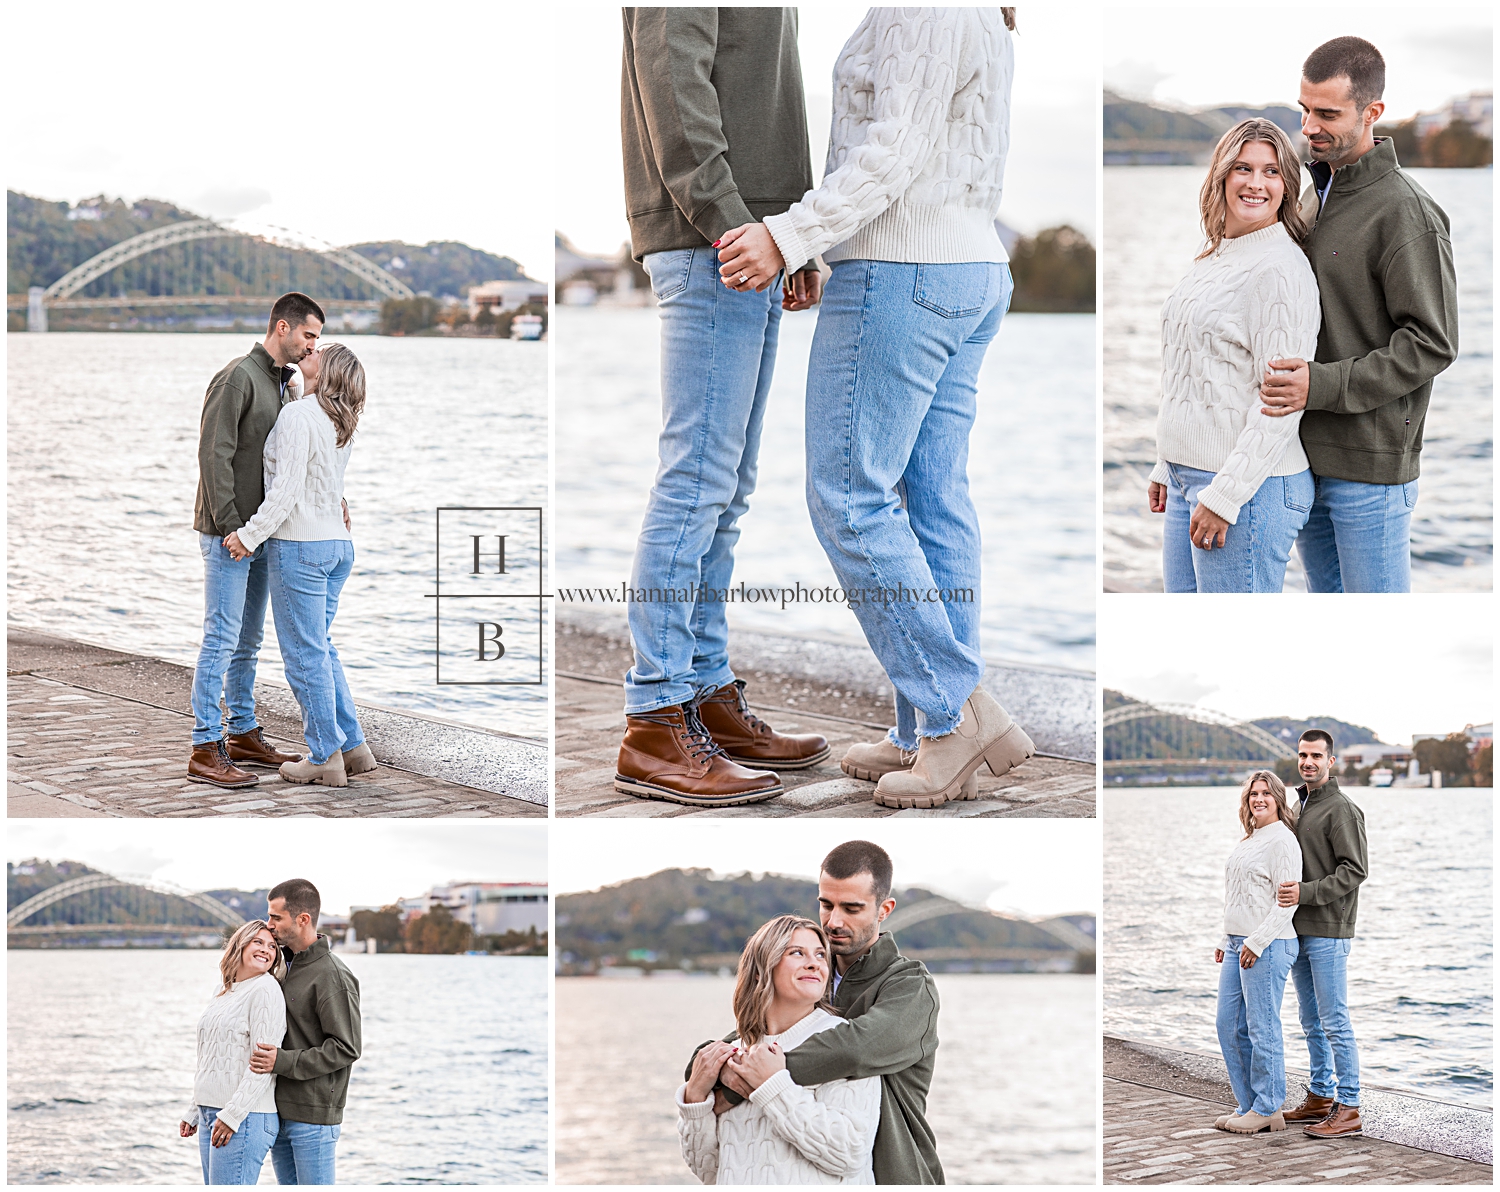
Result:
{"points": [[490, 908], [498, 297], [1375, 753], [1477, 110]]}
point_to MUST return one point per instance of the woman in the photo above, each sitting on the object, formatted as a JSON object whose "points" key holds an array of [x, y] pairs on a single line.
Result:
{"points": [[303, 522], [784, 1133], [906, 216], [234, 1110], [1261, 946], [1231, 477]]}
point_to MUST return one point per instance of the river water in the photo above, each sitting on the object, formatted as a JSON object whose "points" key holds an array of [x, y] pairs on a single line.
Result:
{"points": [[1421, 972], [103, 470], [1013, 1101], [1031, 469], [451, 1088], [1150, 237]]}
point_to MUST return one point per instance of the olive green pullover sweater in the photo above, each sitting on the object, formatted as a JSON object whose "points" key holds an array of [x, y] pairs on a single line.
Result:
{"points": [[322, 1036], [891, 1003], [239, 411], [713, 126], [1331, 833], [1380, 251]]}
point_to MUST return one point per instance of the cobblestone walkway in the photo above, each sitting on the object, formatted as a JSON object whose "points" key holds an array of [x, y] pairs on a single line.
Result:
{"points": [[590, 723], [1157, 1137]]}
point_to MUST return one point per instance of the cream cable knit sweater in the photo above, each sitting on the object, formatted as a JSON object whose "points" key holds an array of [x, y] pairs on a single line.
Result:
{"points": [[252, 1012], [304, 475], [786, 1134], [1252, 301], [916, 152], [1254, 870]]}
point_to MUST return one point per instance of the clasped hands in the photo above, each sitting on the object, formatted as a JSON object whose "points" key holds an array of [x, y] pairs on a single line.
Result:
{"points": [[237, 550], [750, 260], [740, 1070]]}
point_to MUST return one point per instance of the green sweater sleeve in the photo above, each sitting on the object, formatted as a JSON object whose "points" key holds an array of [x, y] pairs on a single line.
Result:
{"points": [[1421, 297], [673, 60], [218, 440], [890, 1036], [1346, 837], [338, 1015]]}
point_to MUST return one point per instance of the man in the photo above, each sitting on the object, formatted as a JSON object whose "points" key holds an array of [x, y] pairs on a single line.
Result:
{"points": [[892, 1006], [239, 410], [1384, 264], [322, 1039], [1331, 832], [701, 88]]}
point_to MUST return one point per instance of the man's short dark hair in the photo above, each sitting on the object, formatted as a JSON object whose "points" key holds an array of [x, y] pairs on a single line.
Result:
{"points": [[1317, 734], [301, 897], [1353, 58], [854, 857], [296, 309]]}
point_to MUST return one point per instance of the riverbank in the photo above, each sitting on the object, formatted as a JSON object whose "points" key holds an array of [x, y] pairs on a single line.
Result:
{"points": [[100, 732], [1160, 1104]]}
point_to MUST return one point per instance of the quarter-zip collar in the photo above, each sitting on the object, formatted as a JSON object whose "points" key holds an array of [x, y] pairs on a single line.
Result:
{"points": [[1331, 785], [1370, 168], [315, 950], [280, 373]]}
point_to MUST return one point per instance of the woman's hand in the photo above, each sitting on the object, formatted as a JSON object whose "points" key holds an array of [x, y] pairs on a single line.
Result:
{"points": [[1207, 528], [1157, 495], [1247, 957], [235, 547], [186, 1129], [705, 1075], [1218, 955], [748, 257], [221, 1135], [759, 1064]]}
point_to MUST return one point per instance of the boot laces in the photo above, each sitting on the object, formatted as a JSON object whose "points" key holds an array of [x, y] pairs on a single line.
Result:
{"points": [[757, 725], [701, 745], [223, 751]]}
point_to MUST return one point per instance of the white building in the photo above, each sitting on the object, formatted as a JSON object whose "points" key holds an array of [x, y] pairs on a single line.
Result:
{"points": [[493, 908], [1375, 753], [500, 296], [1477, 110]]}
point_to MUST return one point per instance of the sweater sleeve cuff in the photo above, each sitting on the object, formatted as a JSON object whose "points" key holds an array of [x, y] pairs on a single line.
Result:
{"points": [[1324, 384], [778, 1084], [1159, 474], [1216, 501], [693, 1109], [229, 1118], [794, 249], [726, 212], [1223, 944], [249, 539]]}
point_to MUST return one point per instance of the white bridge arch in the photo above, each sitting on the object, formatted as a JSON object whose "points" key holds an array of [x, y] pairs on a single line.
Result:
{"points": [[1058, 928], [104, 881], [1244, 728]]}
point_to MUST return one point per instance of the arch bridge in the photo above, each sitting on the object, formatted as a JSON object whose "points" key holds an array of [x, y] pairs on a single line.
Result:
{"points": [[1250, 731], [1066, 933], [16, 918]]}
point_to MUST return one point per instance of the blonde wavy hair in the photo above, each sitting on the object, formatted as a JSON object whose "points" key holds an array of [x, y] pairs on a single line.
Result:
{"points": [[753, 986], [1277, 788], [1211, 204], [341, 390], [229, 959]]}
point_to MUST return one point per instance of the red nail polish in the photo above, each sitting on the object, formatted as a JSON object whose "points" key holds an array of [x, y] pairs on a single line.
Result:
{"points": [[717, 243]]}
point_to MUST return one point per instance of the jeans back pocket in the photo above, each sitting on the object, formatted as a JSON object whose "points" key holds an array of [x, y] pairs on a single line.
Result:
{"points": [[954, 291], [669, 271]]}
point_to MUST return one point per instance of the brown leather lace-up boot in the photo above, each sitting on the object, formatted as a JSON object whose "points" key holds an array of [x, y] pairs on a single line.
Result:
{"points": [[746, 738], [669, 754], [253, 747], [1313, 1109], [1343, 1122], [210, 764]]}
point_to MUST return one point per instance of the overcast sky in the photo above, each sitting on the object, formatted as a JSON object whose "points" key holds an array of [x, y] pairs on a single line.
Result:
{"points": [[1034, 866], [1425, 667], [1212, 57], [1049, 174], [350, 122], [352, 862]]}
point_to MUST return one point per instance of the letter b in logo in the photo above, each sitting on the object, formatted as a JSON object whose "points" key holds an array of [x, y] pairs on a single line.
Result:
{"points": [[487, 640]]}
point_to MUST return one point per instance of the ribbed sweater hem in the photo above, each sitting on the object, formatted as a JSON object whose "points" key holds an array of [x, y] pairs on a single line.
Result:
{"points": [[923, 234]]}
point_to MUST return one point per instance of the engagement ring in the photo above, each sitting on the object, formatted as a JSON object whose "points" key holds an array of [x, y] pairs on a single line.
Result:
{"points": [[743, 279]]}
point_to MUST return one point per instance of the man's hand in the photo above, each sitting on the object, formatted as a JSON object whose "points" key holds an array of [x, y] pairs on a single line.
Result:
{"points": [[734, 1080], [221, 1135], [706, 1066], [1247, 957], [186, 1129], [1289, 894], [748, 257], [1207, 529], [264, 1059], [1156, 494], [758, 1064], [721, 1103], [1285, 387], [1218, 955], [235, 547], [804, 290], [347, 526]]}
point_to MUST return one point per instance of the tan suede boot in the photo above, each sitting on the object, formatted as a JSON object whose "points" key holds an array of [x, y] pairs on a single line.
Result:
{"points": [[986, 735], [359, 760], [330, 773], [873, 762], [1254, 1123]]}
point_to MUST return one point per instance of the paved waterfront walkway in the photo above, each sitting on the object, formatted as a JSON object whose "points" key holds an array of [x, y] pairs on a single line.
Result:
{"points": [[1158, 1129], [590, 722], [94, 732]]}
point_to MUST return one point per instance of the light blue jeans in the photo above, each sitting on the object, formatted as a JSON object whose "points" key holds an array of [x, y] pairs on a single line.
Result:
{"points": [[1256, 548], [303, 1153], [1249, 1022], [234, 622], [892, 389], [306, 579], [1358, 538], [718, 350], [1320, 974], [239, 1160]]}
